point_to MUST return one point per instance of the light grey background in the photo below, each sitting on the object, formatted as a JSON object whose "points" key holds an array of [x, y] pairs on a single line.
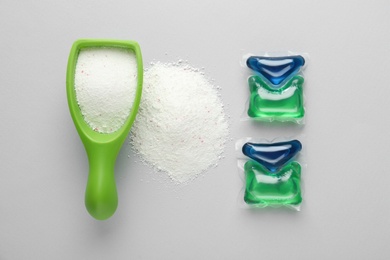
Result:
{"points": [[43, 167]]}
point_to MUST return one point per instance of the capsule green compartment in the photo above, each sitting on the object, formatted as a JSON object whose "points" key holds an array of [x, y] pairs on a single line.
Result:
{"points": [[101, 199], [282, 104], [264, 188]]}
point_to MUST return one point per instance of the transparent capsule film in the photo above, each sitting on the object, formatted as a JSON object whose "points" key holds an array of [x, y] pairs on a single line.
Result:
{"points": [[276, 87], [271, 172]]}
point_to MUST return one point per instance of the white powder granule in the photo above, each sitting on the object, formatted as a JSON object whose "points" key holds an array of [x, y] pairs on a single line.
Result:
{"points": [[181, 127], [105, 84]]}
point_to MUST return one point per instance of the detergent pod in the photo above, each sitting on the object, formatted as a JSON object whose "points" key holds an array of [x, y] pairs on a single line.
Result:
{"points": [[276, 87], [271, 172]]}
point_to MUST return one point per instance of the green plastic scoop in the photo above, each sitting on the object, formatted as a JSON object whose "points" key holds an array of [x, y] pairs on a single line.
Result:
{"points": [[101, 199]]}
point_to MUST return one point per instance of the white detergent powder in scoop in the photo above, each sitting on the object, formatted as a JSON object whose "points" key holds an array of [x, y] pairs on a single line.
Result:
{"points": [[105, 84], [181, 127]]}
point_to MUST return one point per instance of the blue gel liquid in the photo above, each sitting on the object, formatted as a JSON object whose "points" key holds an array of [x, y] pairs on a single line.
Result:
{"points": [[273, 156], [276, 69]]}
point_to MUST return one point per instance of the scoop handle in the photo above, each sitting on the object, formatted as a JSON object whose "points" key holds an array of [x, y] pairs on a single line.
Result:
{"points": [[101, 197]]}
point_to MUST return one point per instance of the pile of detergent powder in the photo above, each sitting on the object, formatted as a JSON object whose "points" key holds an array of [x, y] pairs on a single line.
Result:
{"points": [[181, 127]]}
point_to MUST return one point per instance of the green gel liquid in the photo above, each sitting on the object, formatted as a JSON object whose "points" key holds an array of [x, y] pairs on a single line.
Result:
{"points": [[264, 188], [283, 104]]}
